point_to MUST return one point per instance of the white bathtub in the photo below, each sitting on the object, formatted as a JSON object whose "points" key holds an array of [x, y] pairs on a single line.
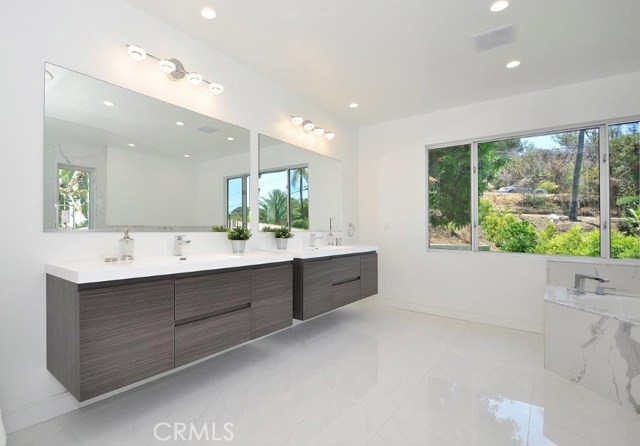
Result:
{"points": [[595, 341]]}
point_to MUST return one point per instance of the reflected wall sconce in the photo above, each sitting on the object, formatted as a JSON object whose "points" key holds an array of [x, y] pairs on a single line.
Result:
{"points": [[174, 69], [310, 127]]}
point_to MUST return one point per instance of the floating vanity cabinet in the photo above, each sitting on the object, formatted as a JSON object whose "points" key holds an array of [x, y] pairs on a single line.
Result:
{"points": [[271, 299], [101, 338], [312, 291], [368, 274], [326, 283], [212, 314]]}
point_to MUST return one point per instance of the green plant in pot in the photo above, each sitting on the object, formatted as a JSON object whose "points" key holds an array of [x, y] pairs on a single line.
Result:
{"points": [[282, 237], [238, 237]]}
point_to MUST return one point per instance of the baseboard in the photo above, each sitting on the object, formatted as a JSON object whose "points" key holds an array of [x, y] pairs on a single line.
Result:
{"points": [[43, 411], [461, 315]]}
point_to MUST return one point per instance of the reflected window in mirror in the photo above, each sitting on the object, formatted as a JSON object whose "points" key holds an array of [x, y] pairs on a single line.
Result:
{"points": [[284, 198], [238, 199], [76, 192]]}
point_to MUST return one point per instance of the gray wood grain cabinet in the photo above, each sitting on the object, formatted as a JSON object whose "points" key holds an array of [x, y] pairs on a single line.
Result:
{"points": [[101, 339], [104, 336], [326, 283]]}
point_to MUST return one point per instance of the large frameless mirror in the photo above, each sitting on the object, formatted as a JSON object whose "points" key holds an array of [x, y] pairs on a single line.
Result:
{"points": [[298, 188], [115, 159]]}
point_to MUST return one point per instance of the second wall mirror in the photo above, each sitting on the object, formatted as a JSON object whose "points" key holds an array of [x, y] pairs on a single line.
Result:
{"points": [[298, 188]]}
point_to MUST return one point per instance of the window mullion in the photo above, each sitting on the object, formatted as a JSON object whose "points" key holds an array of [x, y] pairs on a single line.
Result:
{"points": [[605, 216], [474, 197]]}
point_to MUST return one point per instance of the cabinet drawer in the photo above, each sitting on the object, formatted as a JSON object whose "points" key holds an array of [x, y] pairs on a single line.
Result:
{"points": [[345, 268], [369, 274], [316, 288], [269, 315], [215, 293], [126, 335], [346, 293], [202, 338], [269, 282]]}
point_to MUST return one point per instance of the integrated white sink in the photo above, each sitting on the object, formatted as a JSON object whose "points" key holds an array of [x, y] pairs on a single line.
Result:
{"points": [[323, 251]]}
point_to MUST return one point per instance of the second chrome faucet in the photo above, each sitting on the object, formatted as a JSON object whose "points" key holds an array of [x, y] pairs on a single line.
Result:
{"points": [[178, 244]]}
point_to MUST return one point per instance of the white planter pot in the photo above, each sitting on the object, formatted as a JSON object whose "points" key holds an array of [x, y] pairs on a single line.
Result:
{"points": [[281, 243], [237, 246]]}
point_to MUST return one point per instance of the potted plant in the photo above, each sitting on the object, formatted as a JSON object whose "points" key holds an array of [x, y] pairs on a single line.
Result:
{"points": [[238, 237], [283, 235]]}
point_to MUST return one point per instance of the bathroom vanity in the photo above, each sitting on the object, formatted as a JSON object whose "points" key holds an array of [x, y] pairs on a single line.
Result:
{"points": [[104, 335], [322, 282], [110, 326]]}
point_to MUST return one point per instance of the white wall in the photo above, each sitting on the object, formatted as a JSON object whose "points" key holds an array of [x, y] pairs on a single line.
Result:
{"points": [[495, 288], [90, 36]]}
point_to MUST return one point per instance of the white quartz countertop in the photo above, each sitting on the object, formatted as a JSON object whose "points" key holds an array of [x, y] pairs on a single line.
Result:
{"points": [[326, 251], [89, 271]]}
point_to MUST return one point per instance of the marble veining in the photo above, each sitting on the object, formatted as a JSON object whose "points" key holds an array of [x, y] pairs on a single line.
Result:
{"points": [[594, 347]]}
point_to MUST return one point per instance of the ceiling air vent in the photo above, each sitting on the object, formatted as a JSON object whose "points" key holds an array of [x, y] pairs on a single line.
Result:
{"points": [[206, 129], [494, 38]]}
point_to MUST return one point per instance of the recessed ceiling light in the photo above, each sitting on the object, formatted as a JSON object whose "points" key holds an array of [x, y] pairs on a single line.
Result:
{"points": [[513, 64], [131, 144], [186, 156], [499, 5], [208, 13], [354, 105], [180, 123], [230, 138], [109, 103]]}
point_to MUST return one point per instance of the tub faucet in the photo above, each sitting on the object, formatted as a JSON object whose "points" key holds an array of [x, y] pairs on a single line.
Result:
{"points": [[178, 243], [578, 286]]}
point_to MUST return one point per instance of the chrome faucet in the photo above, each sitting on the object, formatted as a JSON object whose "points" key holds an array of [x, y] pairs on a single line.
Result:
{"points": [[578, 287], [178, 243], [330, 234], [312, 239]]}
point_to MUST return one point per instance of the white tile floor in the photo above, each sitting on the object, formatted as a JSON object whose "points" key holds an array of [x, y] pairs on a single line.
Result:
{"points": [[363, 375]]}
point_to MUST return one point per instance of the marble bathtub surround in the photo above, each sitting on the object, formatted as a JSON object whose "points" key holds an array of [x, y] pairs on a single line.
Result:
{"points": [[593, 345]]}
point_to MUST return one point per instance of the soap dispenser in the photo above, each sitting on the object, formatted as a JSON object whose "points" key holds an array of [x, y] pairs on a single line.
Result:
{"points": [[127, 247]]}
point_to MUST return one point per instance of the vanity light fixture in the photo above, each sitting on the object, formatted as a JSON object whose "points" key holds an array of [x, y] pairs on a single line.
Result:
{"points": [[513, 64], [310, 127], [109, 103], [499, 5], [174, 69]]}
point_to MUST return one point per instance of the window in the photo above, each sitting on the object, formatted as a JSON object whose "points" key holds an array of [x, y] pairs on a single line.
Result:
{"points": [[450, 198], [539, 194], [284, 198], [75, 204], [624, 190], [238, 201]]}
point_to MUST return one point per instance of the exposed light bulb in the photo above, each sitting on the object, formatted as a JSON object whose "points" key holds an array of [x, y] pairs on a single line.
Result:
{"points": [[208, 13], [308, 126], [137, 53], [167, 66], [329, 135], [216, 88], [513, 64], [194, 78], [318, 131], [499, 5], [297, 120]]}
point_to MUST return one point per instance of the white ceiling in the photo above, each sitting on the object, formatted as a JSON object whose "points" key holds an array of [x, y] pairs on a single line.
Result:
{"points": [[412, 56]]}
